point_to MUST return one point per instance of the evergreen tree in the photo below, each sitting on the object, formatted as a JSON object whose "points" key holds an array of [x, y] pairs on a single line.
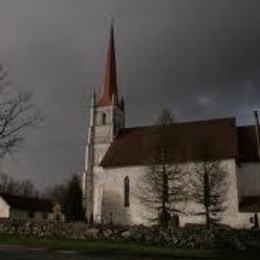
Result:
{"points": [[73, 200]]}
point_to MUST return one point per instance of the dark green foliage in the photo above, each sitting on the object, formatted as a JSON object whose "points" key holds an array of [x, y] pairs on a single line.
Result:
{"points": [[72, 205]]}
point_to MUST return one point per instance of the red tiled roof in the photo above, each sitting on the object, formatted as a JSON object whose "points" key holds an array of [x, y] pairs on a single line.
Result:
{"points": [[109, 83], [133, 145]]}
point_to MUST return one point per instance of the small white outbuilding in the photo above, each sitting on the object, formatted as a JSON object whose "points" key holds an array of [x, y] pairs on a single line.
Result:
{"points": [[19, 207], [4, 208]]}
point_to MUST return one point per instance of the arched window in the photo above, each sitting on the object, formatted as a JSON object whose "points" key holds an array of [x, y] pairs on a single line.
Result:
{"points": [[104, 118], [126, 192]]}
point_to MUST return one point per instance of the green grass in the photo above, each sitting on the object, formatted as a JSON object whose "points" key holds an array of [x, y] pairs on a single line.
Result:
{"points": [[121, 248], [105, 247]]}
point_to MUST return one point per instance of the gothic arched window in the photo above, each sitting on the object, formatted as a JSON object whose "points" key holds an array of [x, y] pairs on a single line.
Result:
{"points": [[126, 192], [104, 118]]}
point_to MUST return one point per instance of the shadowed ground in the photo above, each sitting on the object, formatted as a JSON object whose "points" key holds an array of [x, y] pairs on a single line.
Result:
{"points": [[15, 253], [21, 248], [21, 253]]}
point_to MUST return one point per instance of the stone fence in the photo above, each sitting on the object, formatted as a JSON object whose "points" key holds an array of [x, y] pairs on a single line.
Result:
{"points": [[189, 237]]}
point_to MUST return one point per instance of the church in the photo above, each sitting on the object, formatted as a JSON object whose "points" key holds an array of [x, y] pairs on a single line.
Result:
{"points": [[115, 160]]}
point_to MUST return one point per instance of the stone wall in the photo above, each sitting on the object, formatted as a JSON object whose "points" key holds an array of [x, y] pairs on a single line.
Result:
{"points": [[44, 229], [193, 236]]}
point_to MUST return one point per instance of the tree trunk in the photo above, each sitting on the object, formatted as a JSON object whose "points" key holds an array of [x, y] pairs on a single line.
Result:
{"points": [[206, 195]]}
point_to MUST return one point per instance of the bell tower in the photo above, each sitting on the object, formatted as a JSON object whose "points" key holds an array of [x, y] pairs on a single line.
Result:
{"points": [[109, 110], [107, 117]]}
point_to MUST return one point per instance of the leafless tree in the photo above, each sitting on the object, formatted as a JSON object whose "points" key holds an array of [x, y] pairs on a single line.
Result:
{"points": [[11, 186], [27, 189], [209, 185], [56, 192], [163, 183], [17, 114]]}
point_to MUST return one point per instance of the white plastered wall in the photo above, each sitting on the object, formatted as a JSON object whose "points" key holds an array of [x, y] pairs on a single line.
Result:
{"points": [[249, 179], [109, 197], [4, 208]]}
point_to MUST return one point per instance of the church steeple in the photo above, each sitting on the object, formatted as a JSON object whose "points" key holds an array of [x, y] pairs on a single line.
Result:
{"points": [[109, 83], [107, 118]]}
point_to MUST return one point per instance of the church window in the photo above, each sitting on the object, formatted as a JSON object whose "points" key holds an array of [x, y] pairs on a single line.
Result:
{"points": [[126, 192], [104, 118]]}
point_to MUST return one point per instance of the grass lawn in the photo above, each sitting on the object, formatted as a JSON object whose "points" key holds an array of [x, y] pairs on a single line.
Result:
{"points": [[121, 248]]}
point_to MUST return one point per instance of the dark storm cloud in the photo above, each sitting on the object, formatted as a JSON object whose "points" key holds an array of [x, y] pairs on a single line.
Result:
{"points": [[201, 58]]}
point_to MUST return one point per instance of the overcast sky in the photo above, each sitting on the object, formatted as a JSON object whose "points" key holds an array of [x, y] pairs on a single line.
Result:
{"points": [[201, 58]]}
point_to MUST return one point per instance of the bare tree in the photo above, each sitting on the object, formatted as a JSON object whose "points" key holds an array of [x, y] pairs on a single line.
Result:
{"points": [[163, 183], [27, 189], [11, 186], [56, 193], [17, 114], [209, 185]]}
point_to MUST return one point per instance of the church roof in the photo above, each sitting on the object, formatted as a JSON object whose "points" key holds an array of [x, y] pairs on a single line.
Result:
{"points": [[133, 145]]}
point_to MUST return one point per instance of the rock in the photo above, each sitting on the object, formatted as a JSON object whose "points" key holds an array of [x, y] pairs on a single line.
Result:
{"points": [[236, 244], [92, 233], [126, 234], [107, 233]]}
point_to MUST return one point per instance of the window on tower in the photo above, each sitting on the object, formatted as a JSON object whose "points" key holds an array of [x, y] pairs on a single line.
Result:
{"points": [[104, 118], [126, 192]]}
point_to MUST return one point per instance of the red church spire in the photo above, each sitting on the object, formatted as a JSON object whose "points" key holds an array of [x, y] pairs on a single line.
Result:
{"points": [[109, 82]]}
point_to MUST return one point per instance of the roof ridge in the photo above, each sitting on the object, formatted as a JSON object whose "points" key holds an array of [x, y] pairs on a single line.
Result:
{"points": [[184, 122]]}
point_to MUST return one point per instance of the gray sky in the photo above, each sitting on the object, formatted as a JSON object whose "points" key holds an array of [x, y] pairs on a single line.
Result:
{"points": [[201, 58]]}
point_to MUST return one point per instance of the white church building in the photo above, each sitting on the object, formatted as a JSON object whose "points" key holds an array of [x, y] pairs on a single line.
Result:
{"points": [[115, 160]]}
